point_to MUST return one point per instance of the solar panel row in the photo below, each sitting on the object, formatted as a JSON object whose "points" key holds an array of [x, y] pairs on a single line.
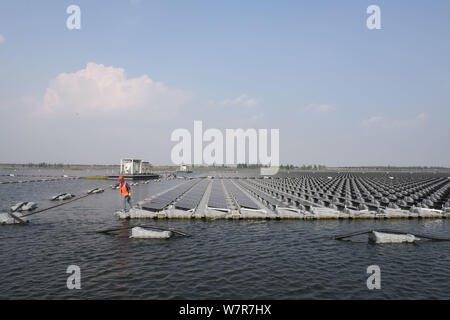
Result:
{"points": [[271, 201], [217, 197], [192, 198], [239, 196], [162, 201], [268, 188]]}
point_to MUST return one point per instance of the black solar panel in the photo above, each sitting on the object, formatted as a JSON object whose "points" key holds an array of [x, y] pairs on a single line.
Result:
{"points": [[192, 198], [270, 200], [162, 201], [239, 196], [217, 196]]}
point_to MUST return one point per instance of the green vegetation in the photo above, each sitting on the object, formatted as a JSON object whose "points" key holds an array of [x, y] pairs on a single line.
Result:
{"points": [[303, 167], [249, 166], [393, 168], [290, 167], [45, 165], [319, 167], [283, 166], [95, 178]]}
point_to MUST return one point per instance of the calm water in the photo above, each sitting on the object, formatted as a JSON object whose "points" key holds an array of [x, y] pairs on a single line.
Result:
{"points": [[222, 259]]}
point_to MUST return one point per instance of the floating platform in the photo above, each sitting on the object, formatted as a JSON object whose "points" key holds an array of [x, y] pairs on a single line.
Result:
{"points": [[8, 218], [301, 198]]}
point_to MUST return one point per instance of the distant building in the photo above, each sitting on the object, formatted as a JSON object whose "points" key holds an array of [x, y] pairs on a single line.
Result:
{"points": [[134, 166], [184, 168]]}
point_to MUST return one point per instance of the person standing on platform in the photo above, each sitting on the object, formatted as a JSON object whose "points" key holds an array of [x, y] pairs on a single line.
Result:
{"points": [[125, 191]]}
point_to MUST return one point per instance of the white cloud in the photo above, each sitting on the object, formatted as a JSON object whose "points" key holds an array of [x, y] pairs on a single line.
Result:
{"points": [[242, 100], [422, 116], [395, 123], [372, 120], [2, 39], [319, 108], [410, 121], [98, 89]]}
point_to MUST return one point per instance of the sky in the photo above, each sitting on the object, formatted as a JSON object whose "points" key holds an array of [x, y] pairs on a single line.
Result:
{"points": [[340, 94]]}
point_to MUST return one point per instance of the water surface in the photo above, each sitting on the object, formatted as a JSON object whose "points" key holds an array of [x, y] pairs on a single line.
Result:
{"points": [[222, 259]]}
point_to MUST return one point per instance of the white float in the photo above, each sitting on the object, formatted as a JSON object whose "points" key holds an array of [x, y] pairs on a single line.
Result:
{"points": [[66, 196], [5, 218], [287, 213], [213, 214], [381, 237], [62, 196], [325, 213], [179, 214], [135, 213], [359, 214], [255, 214], [395, 213], [24, 206], [427, 213], [141, 233], [122, 214]]}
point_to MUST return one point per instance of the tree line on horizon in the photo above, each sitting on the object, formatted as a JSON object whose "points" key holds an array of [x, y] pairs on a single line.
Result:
{"points": [[238, 166]]}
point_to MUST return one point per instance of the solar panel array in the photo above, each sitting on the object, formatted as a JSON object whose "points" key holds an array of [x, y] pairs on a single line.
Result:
{"points": [[273, 203], [290, 197], [162, 201], [192, 198], [356, 191], [361, 191], [239, 196], [217, 197]]}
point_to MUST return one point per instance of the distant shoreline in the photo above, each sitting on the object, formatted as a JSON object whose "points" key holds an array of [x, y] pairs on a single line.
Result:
{"points": [[57, 166]]}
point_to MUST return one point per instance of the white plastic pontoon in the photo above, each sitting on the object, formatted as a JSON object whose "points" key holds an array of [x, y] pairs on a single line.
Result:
{"points": [[381, 237], [141, 233]]}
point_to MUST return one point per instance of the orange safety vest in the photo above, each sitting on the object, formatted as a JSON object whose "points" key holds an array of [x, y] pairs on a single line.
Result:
{"points": [[123, 189]]}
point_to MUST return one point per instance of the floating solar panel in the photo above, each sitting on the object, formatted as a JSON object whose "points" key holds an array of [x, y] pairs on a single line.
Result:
{"points": [[217, 198], [360, 189], [240, 197], [270, 201], [192, 198], [162, 201]]}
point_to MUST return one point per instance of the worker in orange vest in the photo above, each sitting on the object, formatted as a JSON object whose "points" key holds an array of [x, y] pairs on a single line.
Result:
{"points": [[125, 191]]}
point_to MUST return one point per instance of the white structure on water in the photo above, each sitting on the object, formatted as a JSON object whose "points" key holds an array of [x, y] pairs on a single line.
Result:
{"points": [[184, 168], [134, 166]]}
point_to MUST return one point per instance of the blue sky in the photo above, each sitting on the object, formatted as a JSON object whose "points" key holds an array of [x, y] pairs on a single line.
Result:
{"points": [[339, 93]]}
